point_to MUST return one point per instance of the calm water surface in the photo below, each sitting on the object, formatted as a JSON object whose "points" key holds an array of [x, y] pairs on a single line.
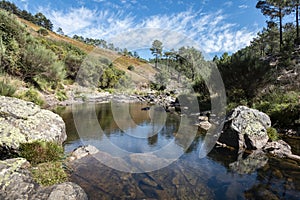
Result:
{"points": [[220, 175]]}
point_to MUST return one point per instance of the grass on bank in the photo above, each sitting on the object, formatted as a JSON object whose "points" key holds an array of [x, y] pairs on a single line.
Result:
{"points": [[46, 160]]}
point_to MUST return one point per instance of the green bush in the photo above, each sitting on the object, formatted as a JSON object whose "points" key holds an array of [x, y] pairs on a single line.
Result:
{"points": [[43, 84], [56, 72], [282, 107], [90, 72], [105, 61], [131, 68], [49, 173], [43, 32], [162, 79], [33, 96], [110, 77], [72, 63], [61, 95], [41, 151], [6, 89], [12, 42], [272, 133]]}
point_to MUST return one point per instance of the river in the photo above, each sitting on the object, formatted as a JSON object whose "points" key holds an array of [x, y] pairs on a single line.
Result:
{"points": [[187, 177]]}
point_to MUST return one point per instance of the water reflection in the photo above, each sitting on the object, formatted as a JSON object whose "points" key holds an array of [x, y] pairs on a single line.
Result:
{"points": [[223, 174]]}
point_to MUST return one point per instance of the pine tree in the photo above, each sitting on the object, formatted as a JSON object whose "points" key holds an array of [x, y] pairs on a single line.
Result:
{"points": [[275, 9], [156, 50]]}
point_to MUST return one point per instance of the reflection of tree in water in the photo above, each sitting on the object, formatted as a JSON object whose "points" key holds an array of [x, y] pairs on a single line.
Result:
{"points": [[195, 144]]}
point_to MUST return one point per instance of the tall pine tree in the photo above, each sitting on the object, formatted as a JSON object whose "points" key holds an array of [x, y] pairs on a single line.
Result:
{"points": [[275, 9]]}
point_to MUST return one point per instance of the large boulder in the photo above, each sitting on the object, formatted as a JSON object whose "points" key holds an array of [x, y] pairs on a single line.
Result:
{"points": [[246, 128], [16, 182], [22, 122]]}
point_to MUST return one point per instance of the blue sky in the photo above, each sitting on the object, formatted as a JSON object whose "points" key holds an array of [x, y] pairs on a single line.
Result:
{"points": [[214, 26]]}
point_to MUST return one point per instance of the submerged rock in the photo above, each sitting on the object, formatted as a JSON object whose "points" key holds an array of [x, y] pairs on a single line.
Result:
{"points": [[82, 151], [246, 128], [278, 148], [22, 121], [16, 182]]}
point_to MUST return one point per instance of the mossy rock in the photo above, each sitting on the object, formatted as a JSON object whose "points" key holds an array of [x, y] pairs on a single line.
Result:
{"points": [[25, 122]]}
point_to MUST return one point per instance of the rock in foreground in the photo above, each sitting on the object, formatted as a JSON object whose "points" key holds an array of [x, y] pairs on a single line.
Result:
{"points": [[246, 128], [16, 183], [22, 121]]}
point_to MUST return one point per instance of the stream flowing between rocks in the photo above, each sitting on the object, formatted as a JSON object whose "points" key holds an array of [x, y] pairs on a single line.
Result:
{"points": [[217, 176]]}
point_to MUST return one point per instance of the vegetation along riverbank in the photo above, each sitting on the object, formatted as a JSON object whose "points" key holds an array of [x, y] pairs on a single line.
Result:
{"points": [[42, 69]]}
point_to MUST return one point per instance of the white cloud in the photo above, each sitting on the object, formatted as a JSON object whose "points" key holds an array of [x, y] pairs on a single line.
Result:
{"points": [[72, 21], [209, 31], [228, 3], [243, 6]]}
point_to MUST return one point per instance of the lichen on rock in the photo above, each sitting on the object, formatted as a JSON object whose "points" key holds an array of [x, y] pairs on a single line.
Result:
{"points": [[16, 182], [22, 121], [246, 128]]}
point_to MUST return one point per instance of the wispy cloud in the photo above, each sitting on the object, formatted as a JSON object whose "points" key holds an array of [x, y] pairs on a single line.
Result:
{"points": [[208, 31], [228, 3], [74, 20], [243, 6]]}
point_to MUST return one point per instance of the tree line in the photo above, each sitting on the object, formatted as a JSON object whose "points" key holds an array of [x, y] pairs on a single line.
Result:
{"points": [[101, 43], [38, 19]]}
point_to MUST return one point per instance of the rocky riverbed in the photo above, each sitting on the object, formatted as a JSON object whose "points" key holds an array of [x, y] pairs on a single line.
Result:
{"points": [[23, 122]]}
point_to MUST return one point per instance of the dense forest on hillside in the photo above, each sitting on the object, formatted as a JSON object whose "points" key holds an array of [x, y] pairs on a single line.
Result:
{"points": [[263, 75]]}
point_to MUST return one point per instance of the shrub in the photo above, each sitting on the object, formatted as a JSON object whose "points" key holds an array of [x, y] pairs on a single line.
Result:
{"points": [[43, 32], [12, 41], [105, 61], [89, 72], [131, 68], [6, 89], [283, 108], [111, 77], [41, 151], [61, 95], [272, 133], [37, 59], [33, 96], [49, 173], [42, 84], [162, 79], [56, 72], [72, 63]]}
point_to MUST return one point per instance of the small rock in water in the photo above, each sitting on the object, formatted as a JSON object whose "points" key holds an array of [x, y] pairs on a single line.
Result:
{"points": [[278, 148], [146, 108]]}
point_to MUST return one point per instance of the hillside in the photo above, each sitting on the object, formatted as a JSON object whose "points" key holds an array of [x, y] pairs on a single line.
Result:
{"points": [[143, 72]]}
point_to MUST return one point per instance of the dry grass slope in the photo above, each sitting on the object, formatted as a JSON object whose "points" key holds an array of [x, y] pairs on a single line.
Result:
{"points": [[143, 72]]}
